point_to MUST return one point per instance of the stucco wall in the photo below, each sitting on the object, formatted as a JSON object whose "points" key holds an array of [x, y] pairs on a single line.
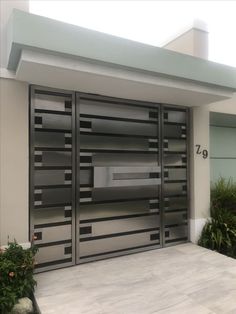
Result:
{"points": [[13, 161], [194, 42], [199, 171]]}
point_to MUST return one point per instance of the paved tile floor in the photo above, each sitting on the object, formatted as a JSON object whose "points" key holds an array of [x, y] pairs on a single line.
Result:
{"points": [[185, 279]]}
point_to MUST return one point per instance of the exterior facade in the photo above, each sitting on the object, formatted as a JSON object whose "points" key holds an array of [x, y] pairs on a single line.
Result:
{"points": [[105, 142]]}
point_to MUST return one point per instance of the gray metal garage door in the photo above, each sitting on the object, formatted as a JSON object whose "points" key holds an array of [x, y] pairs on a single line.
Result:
{"points": [[108, 176]]}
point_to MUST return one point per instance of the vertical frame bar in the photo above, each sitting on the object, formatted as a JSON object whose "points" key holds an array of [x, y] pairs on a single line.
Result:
{"points": [[188, 168], [162, 229], [159, 129], [77, 173], [73, 188]]}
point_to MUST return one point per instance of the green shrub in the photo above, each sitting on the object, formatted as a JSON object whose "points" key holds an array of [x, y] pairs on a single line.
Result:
{"points": [[219, 233], [223, 194], [16, 275]]}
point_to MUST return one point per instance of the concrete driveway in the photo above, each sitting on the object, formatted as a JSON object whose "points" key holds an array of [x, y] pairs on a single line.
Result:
{"points": [[180, 279]]}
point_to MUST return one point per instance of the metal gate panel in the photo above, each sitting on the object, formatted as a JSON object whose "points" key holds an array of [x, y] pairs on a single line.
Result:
{"points": [[52, 177], [119, 167], [107, 176], [175, 175], [122, 244]]}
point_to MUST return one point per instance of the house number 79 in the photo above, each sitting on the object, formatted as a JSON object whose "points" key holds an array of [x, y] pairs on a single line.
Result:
{"points": [[203, 152]]}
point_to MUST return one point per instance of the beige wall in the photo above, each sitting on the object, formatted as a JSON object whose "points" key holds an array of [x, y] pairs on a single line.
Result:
{"points": [[199, 172], [194, 42], [225, 106], [200, 167], [13, 161]]}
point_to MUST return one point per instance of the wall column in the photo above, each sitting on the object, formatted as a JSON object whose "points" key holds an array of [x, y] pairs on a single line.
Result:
{"points": [[194, 41], [14, 217], [199, 171], [14, 222]]}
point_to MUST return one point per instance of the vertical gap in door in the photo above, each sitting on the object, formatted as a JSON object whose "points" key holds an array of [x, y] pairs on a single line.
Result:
{"points": [[188, 169], [77, 175], [161, 194], [73, 192]]}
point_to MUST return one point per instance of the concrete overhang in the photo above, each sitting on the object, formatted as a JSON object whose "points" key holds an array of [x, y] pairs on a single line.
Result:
{"points": [[51, 53]]}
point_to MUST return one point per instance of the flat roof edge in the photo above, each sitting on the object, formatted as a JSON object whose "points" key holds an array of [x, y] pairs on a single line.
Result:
{"points": [[41, 33]]}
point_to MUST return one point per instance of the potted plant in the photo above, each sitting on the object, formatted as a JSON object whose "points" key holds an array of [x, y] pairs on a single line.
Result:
{"points": [[16, 278]]}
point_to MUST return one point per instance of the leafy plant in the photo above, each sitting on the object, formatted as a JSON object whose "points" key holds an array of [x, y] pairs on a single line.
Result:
{"points": [[219, 233], [223, 194], [16, 274]]}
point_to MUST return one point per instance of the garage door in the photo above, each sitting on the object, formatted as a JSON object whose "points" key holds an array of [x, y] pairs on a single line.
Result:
{"points": [[108, 176]]}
